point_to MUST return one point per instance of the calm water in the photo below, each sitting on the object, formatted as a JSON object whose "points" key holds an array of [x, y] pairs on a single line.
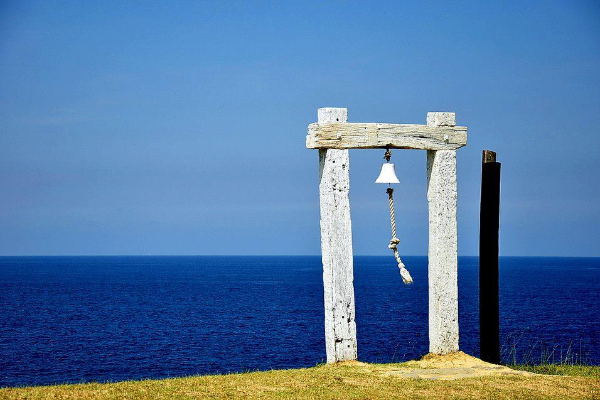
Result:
{"points": [[73, 319]]}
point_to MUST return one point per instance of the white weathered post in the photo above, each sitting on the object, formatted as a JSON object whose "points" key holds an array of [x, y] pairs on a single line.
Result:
{"points": [[443, 253], [336, 246]]}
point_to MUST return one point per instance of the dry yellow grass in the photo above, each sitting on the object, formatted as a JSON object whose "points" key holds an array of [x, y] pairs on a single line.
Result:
{"points": [[343, 381]]}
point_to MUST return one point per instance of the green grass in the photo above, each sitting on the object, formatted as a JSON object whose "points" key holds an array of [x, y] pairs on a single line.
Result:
{"points": [[342, 381], [556, 369]]}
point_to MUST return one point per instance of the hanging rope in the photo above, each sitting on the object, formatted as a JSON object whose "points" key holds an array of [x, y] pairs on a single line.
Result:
{"points": [[395, 241]]}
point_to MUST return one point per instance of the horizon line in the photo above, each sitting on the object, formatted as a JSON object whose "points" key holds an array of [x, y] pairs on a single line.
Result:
{"points": [[259, 255]]}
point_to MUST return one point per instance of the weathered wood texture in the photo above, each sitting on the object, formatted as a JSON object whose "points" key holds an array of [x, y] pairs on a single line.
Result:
{"points": [[443, 257], [488, 157], [397, 136], [441, 119], [336, 247]]}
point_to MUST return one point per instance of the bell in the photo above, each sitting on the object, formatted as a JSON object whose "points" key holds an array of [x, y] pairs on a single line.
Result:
{"points": [[388, 174]]}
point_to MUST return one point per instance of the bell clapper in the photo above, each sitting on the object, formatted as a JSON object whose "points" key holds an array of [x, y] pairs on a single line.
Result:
{"points": [[388, 175]]}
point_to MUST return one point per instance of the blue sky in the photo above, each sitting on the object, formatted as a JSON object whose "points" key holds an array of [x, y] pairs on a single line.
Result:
{"points": [[179, 127]]}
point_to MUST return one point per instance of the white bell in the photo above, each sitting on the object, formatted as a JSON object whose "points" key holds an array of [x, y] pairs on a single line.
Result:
{"points": [[388, 174]]}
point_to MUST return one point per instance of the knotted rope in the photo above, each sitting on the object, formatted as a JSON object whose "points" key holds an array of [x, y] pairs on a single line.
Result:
{"points": [[394, 241]]}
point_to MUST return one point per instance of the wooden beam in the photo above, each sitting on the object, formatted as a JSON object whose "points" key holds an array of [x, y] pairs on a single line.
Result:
{"points": [[375, 136], [336, 247], [443, 252], [489, 225]]}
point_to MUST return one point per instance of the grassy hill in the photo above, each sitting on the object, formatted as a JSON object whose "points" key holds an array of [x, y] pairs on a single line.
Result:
{"points": [[352, 380]]}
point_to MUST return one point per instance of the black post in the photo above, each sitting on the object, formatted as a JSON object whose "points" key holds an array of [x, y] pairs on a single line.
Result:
{"points": [[489, 224]]}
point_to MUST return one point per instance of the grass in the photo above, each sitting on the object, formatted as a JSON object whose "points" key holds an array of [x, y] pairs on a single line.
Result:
{"points": [[542, 352], [590, 371], [551, 359], [342, 381]]}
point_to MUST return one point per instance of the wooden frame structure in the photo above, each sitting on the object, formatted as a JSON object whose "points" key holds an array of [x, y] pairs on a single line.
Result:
{"points": [[333, 136]]}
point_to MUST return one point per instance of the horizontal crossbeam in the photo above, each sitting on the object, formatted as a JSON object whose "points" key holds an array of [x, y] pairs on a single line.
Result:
{"points": [[375, 136]]}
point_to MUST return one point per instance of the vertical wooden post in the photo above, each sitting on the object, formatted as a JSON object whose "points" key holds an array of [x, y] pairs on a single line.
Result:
{"points": [[489, 224], [443, 256], [336, 246]]}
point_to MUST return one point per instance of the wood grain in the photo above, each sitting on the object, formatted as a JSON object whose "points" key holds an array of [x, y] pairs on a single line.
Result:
{"points": [[378, 135], [336, 247], [442, 269]]}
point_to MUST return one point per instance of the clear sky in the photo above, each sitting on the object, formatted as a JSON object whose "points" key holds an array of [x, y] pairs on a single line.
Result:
{"points": [[179, 127]]}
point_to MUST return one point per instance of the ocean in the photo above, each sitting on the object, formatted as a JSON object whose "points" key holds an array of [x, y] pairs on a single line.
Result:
{"points": [[84, 319]]}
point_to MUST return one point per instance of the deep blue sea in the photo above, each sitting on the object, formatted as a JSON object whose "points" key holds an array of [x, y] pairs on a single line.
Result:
{"points": [[80, 319]]}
